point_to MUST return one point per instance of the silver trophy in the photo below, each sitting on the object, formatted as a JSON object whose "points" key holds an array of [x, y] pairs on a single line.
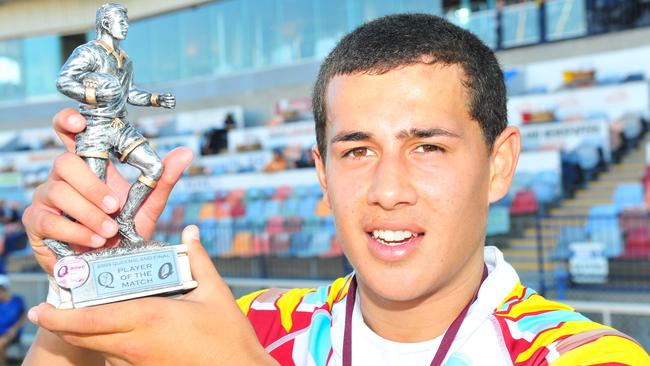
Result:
{"points": [[99, 75]]}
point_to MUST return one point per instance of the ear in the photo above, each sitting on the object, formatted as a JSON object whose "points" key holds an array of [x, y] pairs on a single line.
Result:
{"points": [[503, 161], [320, 170], [105, 24]]}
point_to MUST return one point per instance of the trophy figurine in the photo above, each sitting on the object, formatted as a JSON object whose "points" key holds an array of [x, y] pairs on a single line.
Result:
{"points": [[99, 75]]}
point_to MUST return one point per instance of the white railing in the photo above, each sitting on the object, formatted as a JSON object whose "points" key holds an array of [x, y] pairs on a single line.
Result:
{"points": [[606, 309]]}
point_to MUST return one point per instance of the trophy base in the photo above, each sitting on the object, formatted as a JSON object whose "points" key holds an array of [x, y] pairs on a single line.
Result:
{"points": [[119, 274]]}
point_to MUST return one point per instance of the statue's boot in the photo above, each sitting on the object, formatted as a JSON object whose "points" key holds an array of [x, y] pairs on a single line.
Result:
{"points": [[126, 228]]}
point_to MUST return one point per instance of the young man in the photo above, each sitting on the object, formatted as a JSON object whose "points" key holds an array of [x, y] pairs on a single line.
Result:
{"points": [[412, 148]]}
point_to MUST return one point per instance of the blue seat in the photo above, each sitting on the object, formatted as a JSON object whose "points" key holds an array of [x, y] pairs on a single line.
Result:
{"points": [[290, 207], [217, 235], [254, 209], [602, 226], [601, 216], [566, 236], [306, 206], [545, 193], [498, 220], [611, 237], [300, 191], [628, 194], [271, 208], [192, 212], [301, 244]]}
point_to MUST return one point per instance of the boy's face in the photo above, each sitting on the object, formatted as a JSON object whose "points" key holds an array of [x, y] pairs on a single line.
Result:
{"points": [[409, 178]]}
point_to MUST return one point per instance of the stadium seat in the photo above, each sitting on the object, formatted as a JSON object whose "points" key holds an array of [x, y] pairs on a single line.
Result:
{"points": [[275, 225], [524, 203], [601, 216], [238, 209], [236, 195], [207, 211], [307, 206], [633, 218], [637, 243], [301, 244], [242, 245], [271, 208], [293, 224], [300, 191], [498, 221], [566, 236], [192, 213], [322, 210], [254, 209], [217, 236], [290, 206], [281, 193], [628, 195]]}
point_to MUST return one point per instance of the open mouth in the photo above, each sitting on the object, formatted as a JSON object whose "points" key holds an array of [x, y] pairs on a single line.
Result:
{"points": [[394, 237]]}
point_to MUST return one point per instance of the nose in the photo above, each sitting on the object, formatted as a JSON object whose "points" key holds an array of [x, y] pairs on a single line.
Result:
{"points": [[391, 186]]}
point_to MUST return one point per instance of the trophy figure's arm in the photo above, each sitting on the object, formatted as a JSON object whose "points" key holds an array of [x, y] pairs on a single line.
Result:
{"points": [[79, 63], [140, 97], [144, 98]]}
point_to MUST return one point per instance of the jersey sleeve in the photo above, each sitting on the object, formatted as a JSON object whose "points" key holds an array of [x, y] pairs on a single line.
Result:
{"points": [[600, 348], [540, 332]]}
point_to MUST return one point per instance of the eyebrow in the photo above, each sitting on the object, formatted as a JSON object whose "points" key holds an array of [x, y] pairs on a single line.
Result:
{"points": [[402, 135], [425, 133], [351, 136]]}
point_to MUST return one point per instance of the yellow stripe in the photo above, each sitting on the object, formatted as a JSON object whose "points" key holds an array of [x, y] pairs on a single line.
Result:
{"points": [[534, 304], [245, 301], [287, 304], [549, 336], [603, 350], [338, 290], [517, 292]]}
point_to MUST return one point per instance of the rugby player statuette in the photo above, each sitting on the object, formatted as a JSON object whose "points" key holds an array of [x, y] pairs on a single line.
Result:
{"points": [[99, 75]]}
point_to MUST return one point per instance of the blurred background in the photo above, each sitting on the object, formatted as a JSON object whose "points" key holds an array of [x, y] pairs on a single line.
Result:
{"points": [[575, 225]]}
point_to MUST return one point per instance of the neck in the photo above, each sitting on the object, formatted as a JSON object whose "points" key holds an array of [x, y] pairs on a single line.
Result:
{"points": [[427, 317], [112, 42]]}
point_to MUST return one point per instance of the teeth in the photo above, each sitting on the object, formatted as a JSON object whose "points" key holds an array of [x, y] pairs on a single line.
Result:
{"points": [[390, 236]]}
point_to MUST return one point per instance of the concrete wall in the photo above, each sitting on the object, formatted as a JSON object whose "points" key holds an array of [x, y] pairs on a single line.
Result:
{"points": [[22, 18]]}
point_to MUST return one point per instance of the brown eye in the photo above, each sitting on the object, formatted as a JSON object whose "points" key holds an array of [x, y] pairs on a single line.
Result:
{"points": [[428, 148], [358, 153]]}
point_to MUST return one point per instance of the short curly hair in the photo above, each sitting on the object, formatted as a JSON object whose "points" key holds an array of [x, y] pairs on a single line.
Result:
{"points": [[400, 40]]}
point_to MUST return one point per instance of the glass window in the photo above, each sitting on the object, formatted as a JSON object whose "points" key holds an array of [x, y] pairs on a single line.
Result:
{"points": [[331, 23], [11, 70], [565, 19], [520, 24], [139, 48], [42, 64]]}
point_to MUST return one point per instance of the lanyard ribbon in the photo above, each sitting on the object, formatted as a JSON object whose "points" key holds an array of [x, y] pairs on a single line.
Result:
{"points": [[445, 344]]}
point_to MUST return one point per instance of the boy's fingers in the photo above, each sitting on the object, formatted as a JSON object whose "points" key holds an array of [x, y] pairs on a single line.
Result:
{"points": [[92, 320], [67, 123]]}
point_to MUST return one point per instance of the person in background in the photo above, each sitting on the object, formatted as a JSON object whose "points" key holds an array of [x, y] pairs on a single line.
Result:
{"points": [[12, 317], [277, 163]]}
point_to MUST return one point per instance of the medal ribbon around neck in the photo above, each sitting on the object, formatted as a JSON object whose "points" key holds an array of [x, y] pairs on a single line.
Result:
{"points": [[447, 339]]}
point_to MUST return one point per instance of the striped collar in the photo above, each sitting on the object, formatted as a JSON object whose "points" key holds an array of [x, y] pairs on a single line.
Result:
{"points": [[118, 56]]}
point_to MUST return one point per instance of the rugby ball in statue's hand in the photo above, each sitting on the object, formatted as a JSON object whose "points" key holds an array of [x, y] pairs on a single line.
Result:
{"points": [[107, 87]]}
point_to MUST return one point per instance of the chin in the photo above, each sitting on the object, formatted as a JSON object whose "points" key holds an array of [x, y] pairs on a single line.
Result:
{"points": [[397, 286]]}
